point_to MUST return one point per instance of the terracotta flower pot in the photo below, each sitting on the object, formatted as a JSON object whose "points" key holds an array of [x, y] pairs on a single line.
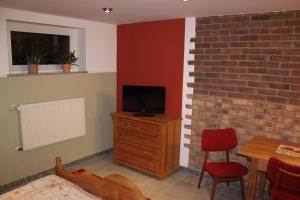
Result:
{"points": [[33, 69], [66, 68]]}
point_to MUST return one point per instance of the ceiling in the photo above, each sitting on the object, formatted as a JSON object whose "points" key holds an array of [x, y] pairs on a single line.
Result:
{"points": [[130, 11]]}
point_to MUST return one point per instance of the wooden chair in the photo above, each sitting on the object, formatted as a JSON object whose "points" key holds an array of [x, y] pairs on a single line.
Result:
{"points": [[214, 140], [284, 180]]}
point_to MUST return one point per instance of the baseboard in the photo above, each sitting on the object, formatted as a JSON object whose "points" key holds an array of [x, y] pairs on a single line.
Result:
{"points": [[24, 181]]}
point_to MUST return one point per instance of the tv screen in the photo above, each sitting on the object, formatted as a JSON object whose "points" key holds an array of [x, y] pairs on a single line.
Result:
{"points": [[23, 43], [144, 99]]}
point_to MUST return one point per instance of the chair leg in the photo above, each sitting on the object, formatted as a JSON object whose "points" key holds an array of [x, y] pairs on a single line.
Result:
{"points": [[213, 189], [201, 177], [242, 188]]}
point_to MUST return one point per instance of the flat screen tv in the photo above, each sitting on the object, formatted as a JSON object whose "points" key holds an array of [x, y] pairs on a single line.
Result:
{"points": [[51, 45], [144, 100]]}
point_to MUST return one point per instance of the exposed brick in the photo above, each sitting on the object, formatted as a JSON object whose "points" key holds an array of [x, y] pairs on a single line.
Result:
{"points": [[283, 30], [217, 93], [297, 43], [228, 63], [295, 87], [231, 26], [248, 64], [213, 51], [284, 93], [210, 39], [240, 18], [281, 44], [212, 26], [290, 65], [238, 44], [291, 80], [201, 57], [196, 51], [260, 44], [222, 19], [219, 57], [267, 92], [261, 17], [202, 33], [239, 31], [258, 70], [205, 20], [280, 72], [238, 57], [237, 70], [259, 92], [220, 45], [237, 83], [294, 22], [269, 64], [250, 77], [283, 15], [280, 58], [272, 51], [251, 51], [277, 99], [202, 45], [246, 90], [295, 58], [233, 51], [292, 51], [257, 57], [249, 38], [270, 37], [257, 84], [280, 86], [198, 91], [230, 76], [229, 38], [291, 37], [271, 78]]}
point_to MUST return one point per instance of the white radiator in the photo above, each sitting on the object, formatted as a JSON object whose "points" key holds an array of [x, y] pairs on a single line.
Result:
{"points": [[50, 122]]}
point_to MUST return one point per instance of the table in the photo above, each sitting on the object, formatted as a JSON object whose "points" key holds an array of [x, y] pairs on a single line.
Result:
{"points": [[259, 150]]}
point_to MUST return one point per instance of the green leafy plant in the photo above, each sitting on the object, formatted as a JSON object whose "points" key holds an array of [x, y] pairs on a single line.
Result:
{"points": [[68, 58], [35, 58]]}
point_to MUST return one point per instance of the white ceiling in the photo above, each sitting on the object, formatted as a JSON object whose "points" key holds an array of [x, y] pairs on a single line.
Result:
{"points": [[129, 11]]}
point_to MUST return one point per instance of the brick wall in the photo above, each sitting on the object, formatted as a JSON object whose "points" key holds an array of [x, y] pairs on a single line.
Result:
{"points": [[247, 76]]}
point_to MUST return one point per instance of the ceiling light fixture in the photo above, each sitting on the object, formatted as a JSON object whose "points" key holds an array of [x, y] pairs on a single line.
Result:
{"points": [[185, 0], [107, 10]]}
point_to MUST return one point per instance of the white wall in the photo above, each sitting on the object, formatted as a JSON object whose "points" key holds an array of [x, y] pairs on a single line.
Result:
{"points": [[100, 38], [190, 25]]}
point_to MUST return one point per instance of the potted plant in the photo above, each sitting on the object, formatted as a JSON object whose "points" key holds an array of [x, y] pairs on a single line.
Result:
{"points": [[67, 60], [33, 59]]}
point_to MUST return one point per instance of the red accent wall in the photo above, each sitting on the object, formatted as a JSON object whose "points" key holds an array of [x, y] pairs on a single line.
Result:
{"points": [[151, 53]]}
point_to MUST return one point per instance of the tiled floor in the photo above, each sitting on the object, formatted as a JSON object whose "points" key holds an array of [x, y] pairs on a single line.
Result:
{"points": [[181, 185]]}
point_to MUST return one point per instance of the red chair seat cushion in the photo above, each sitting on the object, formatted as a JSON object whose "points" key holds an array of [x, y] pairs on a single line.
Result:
{"points": [[282, 194], [226, 169]]}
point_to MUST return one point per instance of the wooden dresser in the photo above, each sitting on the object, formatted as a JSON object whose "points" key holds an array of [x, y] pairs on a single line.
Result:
{"points": [[150, 144]]}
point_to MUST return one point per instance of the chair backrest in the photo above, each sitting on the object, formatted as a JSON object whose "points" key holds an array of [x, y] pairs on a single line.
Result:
{"points": [[286, 181], [218, 139]]}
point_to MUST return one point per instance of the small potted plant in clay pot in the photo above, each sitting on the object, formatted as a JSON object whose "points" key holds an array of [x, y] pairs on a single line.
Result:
{"points": [[33, 60], [67, 60]]}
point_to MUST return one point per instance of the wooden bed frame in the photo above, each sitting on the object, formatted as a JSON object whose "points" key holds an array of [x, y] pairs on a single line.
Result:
{"points": [[111, 187]]}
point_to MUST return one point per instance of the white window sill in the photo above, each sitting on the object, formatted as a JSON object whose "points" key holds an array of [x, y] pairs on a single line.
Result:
{"points": [[44, 73]]}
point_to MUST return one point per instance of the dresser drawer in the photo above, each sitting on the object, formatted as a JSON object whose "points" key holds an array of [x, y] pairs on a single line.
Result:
{"points": [[133, 150], [137, 137], [146, 128], [138, 162]]}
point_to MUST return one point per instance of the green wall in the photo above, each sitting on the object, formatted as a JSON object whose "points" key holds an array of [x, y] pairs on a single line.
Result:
{"points": [[99, 90]]}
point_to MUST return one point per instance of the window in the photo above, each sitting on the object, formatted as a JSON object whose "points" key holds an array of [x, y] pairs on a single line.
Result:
{"points": [[51, 40]]}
